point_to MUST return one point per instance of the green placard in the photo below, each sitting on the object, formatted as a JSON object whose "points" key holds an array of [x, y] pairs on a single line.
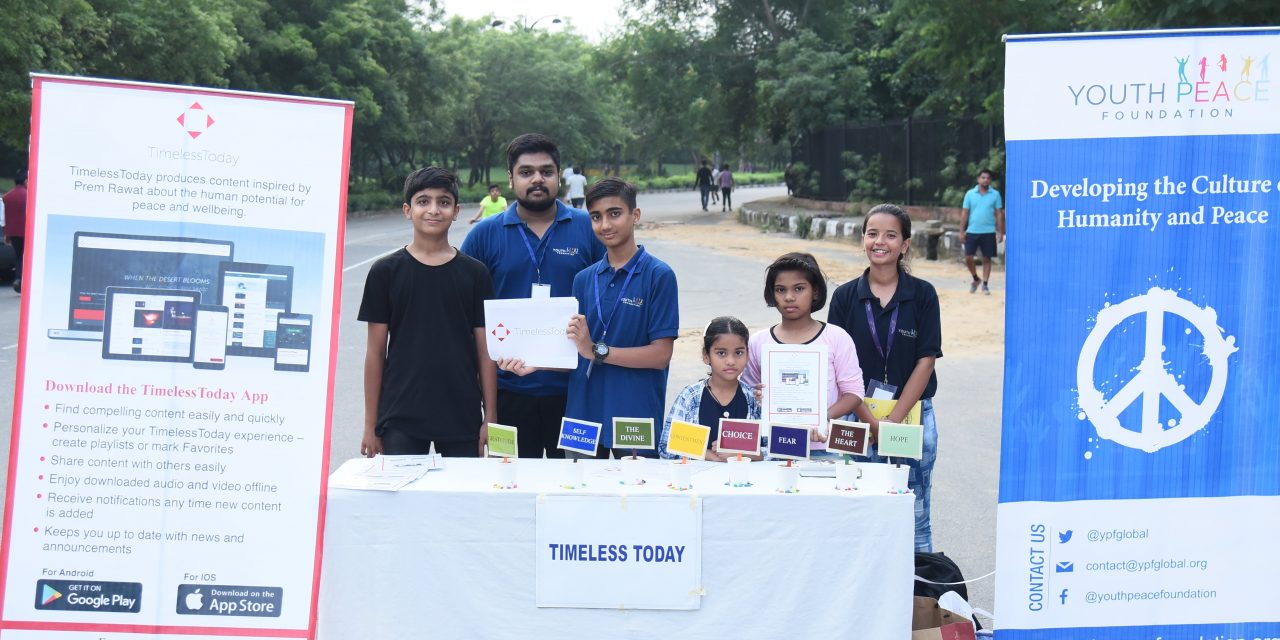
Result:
{"points": [[633, 433], [502, 441], [901, 440]]}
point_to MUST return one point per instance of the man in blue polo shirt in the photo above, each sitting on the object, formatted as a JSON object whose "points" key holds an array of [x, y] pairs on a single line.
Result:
{"points": [[981, 226], [534, 248], [627, 322]]}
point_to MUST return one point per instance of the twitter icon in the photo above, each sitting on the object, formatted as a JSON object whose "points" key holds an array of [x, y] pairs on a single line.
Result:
{"points": [[1064, 537]]}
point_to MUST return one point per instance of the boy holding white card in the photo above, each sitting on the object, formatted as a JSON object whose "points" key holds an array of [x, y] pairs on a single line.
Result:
{"points": [[627, 322], [427, 372]]}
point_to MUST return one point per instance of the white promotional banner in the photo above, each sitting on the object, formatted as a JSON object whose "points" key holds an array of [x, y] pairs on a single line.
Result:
{"points": [[1140, 468], [175, 363], [619, 552]]}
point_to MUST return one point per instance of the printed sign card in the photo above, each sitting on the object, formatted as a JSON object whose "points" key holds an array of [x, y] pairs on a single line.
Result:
{"points": [[688, 440], [901, 440], [849, 437], [738, 436], [881, 408], [788, 442], [633, 433], [502, 441], [580, 436]]}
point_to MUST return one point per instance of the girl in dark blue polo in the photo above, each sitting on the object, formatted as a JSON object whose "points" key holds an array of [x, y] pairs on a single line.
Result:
{"points": [[896, 327]]}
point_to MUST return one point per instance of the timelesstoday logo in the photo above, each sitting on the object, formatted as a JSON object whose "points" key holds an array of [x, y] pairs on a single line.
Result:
{"points": [[1211, 87]]}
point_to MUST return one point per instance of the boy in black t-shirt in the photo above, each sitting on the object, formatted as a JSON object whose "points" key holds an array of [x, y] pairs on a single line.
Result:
{"points": [[427, 372]]}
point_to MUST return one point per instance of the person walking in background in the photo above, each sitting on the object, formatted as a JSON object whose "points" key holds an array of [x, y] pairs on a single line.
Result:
{"points": [[725, 180], [15, 223], [715, 183], [576, 185], [981, 227], [702, 181]]}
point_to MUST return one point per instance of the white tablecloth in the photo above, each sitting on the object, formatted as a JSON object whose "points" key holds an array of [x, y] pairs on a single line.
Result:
{"points": [[450, 556]]}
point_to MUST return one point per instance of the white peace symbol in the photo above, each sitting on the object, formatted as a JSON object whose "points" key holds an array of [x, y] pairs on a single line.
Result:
{"points": [[1153, 381]]}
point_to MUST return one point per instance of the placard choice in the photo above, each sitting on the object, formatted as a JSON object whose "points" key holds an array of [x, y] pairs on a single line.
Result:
{"points": [[175, 374]]}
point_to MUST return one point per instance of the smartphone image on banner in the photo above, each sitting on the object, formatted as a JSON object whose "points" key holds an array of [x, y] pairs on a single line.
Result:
{"points": [[210, 351], [293, 342]]}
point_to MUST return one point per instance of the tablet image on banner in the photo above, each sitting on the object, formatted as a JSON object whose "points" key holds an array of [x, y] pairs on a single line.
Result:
{"points": [[256, 294], [293, 342], [210, 350], [149, 324], [101, 260], [534, 330]]}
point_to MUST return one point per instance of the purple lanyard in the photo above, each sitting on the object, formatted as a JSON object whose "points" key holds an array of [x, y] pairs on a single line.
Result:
{"points": [[533, 257], [605, 320], [875, 336]]}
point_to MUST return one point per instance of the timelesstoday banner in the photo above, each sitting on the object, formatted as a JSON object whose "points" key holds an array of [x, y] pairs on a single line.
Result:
{"points": [[179, 324], [1140, 463]]}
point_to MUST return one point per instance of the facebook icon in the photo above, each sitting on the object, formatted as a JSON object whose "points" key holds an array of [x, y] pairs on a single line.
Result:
{"points": [[1063, 596]]}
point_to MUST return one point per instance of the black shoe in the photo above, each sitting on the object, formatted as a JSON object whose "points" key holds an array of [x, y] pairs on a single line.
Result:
{"points": [[17, 286]]}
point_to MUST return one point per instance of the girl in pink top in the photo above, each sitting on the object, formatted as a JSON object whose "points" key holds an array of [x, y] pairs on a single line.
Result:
{"points": [[796, 287]]}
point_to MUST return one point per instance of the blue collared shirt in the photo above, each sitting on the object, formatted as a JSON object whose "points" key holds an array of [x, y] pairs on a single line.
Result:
{"points": [[648, 310], [982, 210], [568, 246]]}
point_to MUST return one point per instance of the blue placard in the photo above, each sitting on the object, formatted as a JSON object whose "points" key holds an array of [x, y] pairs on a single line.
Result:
{"points": [[580, 436], [788, 443]]}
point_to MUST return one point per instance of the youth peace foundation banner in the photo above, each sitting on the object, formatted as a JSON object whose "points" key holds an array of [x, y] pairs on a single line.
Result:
{"points": [[179, 332], [1140, 466]]}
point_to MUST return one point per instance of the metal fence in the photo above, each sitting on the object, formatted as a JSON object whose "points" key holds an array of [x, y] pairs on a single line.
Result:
{"points": [[912, 161]]}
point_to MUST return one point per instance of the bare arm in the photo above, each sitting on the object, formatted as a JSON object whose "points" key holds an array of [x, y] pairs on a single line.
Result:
{"points": [[375, 360], [911, 391], [655, 355], [999, 225], [964, 223], [488, 386]]}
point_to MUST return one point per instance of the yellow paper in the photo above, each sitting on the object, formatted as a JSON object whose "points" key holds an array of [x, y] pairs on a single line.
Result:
{"points": [[882, 408], [688, 440]]}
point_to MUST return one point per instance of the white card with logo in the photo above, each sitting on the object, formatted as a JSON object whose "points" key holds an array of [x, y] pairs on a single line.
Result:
{"points": [[534, 330]]}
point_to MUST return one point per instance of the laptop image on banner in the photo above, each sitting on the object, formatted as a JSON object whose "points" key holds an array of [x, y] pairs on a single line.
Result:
{"points": [[101, 260]]}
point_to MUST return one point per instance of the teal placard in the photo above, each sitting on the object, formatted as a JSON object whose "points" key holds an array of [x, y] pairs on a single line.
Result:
{"points": [[901, 440]]}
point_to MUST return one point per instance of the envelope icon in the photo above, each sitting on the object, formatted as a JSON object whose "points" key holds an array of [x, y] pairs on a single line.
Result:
{"points": [[1064, 567]]}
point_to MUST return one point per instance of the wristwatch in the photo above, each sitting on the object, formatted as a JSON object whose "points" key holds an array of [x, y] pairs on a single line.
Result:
{"points": [[600, 350]]}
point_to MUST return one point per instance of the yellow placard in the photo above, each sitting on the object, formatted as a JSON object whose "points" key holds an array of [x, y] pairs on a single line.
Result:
{"points": [[882, 408], [688, 439]]}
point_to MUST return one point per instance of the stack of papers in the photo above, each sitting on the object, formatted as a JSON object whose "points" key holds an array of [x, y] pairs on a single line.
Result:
{"points": [[384, 473]]}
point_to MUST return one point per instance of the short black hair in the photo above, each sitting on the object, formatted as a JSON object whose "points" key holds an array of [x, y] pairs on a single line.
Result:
{"points": [[21, 177], [494, 186], [804, 263], [610, 187], [430, 178], [531, 143], [724, 325], [987, 171]]}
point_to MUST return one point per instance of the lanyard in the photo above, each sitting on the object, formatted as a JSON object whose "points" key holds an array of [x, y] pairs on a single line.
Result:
{"points": [[605, 320], [546, 241], [875, 336]]}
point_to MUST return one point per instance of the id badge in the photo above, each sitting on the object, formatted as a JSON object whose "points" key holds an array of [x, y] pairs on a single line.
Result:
{"points": [[877, 390], [540, 291]]}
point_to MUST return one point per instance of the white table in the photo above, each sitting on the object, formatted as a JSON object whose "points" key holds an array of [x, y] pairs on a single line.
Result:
{"points": [[450, 556]]}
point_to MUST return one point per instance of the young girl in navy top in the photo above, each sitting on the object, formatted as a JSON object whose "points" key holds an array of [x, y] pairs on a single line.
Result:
{"points": [[722, 394], [896, 326]]}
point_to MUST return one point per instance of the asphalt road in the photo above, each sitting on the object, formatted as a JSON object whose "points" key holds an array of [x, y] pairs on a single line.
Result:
{"points": [[968, 400]]}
